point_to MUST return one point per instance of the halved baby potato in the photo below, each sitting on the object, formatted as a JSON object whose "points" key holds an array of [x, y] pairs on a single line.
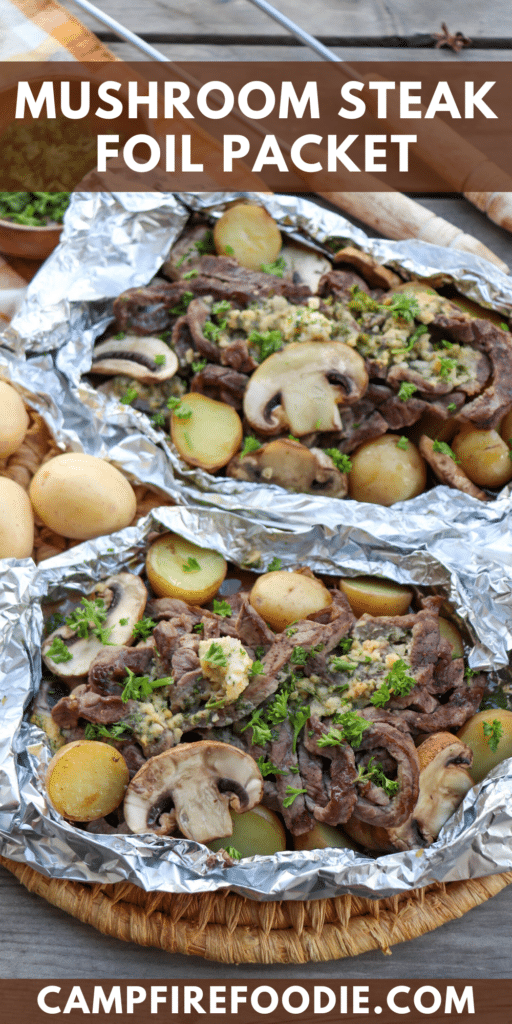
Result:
{"points": [[86, 780], [16, 520], [485, 758], [383, 471], [178, 568], [484, 456], [450, 632], [14, 421], [285, 597], [210, 435], [249, 234], [259, 831], [323, 837], [81, 496], [375, 596]]}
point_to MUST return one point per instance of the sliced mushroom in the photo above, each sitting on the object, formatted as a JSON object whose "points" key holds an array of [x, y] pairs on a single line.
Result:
{"points": [[125, 598], [303, 265], [301, 387], [147, 359], [444, 781], [192, 787], [374, 273], [447, 471], [293, 466]]}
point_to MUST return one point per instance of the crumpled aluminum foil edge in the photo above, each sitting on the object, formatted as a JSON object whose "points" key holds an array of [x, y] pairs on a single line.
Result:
{"points": [[476, 841]]}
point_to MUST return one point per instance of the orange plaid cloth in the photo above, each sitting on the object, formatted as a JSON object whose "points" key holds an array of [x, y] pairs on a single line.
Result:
{"points": [[40, 30]]}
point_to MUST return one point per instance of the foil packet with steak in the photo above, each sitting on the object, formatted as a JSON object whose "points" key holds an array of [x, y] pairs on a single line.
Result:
{"points": [[327, 378]]}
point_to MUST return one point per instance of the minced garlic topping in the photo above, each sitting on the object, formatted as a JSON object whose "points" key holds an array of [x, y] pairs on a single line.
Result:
{"points": [[231, 678]]}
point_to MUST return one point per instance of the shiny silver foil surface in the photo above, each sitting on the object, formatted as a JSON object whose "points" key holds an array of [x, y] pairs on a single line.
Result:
{"points": [[114, 241], [442, 539], [477, 840]]}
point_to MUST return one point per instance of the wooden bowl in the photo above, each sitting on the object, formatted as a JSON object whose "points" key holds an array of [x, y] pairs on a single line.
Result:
{"points": [[33, 243]]}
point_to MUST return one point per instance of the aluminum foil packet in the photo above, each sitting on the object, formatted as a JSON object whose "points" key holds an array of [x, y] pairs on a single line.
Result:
{"points": [[114, 241], [476, 841]]}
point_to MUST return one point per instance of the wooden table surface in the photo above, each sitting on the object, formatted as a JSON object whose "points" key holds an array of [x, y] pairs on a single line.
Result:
{"points": [[39, 941]]}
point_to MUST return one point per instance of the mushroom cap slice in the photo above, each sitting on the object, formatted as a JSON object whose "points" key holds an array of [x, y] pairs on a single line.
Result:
{"points": [[147, 359], [299, 388], [293, 466], [125, 597], [192, 787]]}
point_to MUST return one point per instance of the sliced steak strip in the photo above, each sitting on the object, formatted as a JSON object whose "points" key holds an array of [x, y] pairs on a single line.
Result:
{"points": [[373, 805], [297, 818], [221, 383], [107, 674], [343, 774]]}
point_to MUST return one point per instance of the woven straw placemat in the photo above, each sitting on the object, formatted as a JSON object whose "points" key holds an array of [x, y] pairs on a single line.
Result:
{"points": [[232, 929]]}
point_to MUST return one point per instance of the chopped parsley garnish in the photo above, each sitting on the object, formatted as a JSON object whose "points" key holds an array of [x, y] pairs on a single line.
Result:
{"points": [[276, 268], [381, 696], [158, 419], [292, 438], [216, 656], [228, 249], [452, 407], [267, 343], [398, 680], [291, 794], [250, 445], [374, 773], [275, 565], [257, 668], [348, 727], [222, 307], [470, 672], [143, 629], [198, 628], [345, 644], [341, 461], [160, 360], [444, 449], [123, 622], [205, 245], [58, 651], [299, 655], [267, 768], [182, 305], [138, 687], [222, 608], [261, 733], [89, 617], [212, 331], [403, 443], [34, 209], [446, 367], [404, 307], [445, 344], [198, 365], [412, 340], [129, 396], [291, 630], [234, 854], [112, 732], [504, 327], [361, 302], [493, 731], [178, 409], [406, 391], [191, 565], [260, 651], [342, 665], [278, 710], [215, 703], [119, 336], [297, 721]]}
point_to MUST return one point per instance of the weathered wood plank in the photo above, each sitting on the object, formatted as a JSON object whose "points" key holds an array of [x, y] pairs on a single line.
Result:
{"points": [[39, 941], [360, 18], [244, 52]]}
